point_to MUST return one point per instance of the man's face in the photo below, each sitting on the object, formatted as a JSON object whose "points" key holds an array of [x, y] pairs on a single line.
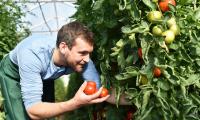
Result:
{"points": [[79, 54]]}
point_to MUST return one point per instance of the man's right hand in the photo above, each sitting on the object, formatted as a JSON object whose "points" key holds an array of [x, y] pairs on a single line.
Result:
{"points": [[81, 98]]}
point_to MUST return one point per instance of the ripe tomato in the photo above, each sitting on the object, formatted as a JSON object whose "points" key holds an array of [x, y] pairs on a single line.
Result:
{"points": [[90, 88], [154, 16], [140, 53], [157, 31], [92, 83], [156, 72], [104, 93], [169, 36], [164, 4]]}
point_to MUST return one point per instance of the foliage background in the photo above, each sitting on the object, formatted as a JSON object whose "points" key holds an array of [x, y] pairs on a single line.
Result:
{"points": [[121, 27], [11, 32]]}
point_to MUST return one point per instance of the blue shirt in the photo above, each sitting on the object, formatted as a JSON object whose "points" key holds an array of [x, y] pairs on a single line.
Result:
{"points": [[33, 56]]}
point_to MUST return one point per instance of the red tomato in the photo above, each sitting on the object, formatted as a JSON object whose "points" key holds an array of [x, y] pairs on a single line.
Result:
{"points": [[104, 93], [140, 53], [92, 83], [156, 72], [129, 115], [164, 4], [90, 88]]}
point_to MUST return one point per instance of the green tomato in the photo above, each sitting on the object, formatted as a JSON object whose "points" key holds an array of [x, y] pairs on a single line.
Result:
{"points": [[171, 21], [157, 31], [175, 29], [143, 80], [154, 16], [169, 36]]}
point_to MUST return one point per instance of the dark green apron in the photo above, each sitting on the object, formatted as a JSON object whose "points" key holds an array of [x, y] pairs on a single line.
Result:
{"points": [[9, 78], [11, 91]]}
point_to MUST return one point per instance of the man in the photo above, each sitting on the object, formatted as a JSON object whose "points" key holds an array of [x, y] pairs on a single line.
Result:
{"points": [[28, 71]]}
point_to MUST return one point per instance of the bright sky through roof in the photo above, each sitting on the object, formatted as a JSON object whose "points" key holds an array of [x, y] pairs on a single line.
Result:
{"points": [[47, 16]]}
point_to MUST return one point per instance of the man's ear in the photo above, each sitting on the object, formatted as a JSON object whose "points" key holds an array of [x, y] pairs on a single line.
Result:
{"points": [[63, 47]]}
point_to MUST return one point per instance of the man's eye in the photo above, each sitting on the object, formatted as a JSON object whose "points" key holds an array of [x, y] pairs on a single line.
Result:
{"points": [[84, 53]]}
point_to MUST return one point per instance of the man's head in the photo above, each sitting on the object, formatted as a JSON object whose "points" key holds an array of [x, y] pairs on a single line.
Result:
{"points": [[75, 43], [69, 32]]}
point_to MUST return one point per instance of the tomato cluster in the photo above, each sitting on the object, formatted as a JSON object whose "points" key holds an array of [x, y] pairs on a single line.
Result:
{"points": [[156, 16], [91, 89]]}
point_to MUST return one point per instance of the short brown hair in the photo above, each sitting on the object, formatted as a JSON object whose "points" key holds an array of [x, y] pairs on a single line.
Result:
{"points": [[69, 32]]}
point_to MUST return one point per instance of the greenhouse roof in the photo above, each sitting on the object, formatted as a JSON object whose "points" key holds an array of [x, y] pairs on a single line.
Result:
{"points": [[47, 16]]}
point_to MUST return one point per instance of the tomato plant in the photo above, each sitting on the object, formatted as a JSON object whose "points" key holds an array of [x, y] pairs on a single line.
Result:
{"points": [[104, 93], [164, 4], [155, 97], [156, 72], [90, 88]]}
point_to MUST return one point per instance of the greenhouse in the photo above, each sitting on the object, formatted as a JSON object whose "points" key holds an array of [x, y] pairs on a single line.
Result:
{"points": [[100, 59]]}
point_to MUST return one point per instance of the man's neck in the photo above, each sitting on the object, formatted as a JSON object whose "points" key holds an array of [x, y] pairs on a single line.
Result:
{"points": [[58, 58]]}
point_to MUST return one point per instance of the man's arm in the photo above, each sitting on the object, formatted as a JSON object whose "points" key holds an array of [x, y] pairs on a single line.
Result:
{"points": [[44, 110]]}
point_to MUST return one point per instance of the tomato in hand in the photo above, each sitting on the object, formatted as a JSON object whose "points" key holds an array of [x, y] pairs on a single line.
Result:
{"points": [[90, 88], [156, 72], [104, 93], [164, 4], [91, 83]]}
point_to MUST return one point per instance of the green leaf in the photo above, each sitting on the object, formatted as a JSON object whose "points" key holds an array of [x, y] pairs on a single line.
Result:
{"points": [[196, 98], [98, 4], [135, 13], [145, 101], [192, 79], [149, 4], [197, 15], [128, 73]]}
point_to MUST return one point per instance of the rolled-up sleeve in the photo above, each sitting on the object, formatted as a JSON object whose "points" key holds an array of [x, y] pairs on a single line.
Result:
{"points": [[90, 73]]}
